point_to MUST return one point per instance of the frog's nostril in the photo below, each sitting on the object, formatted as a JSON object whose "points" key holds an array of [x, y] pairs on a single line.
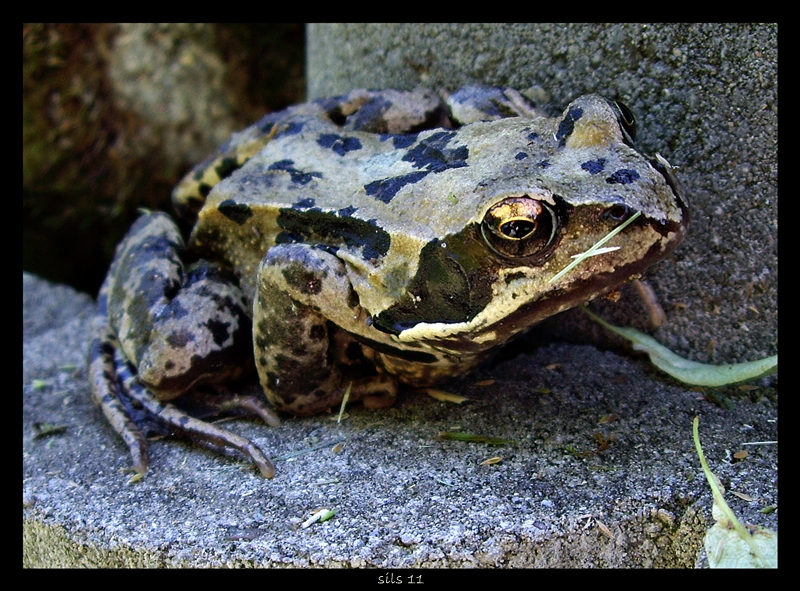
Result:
{"points": [[519, 227]]}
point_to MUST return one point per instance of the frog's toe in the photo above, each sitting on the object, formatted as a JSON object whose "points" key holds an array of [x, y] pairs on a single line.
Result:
{"points": [[376, 402], [250, 404], [116, 415], [375, 392], [196, 429]]}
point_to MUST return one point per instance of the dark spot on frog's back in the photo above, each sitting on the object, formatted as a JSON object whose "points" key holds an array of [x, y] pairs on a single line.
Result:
{"points": [[227, 166], [204, 189], [594, 166], [402, 141], [371, 116], [339, 144], [433, 154], [238, 213], [386, 189], [491, 101], [266, 124], [623, 176], [299, 177]]}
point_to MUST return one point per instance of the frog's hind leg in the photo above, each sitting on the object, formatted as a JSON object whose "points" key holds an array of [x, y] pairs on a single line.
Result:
{"points": [[179, 328], [190, 427]]}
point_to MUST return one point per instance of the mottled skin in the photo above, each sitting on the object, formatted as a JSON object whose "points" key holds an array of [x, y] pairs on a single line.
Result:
{"points": [[377, 238]]}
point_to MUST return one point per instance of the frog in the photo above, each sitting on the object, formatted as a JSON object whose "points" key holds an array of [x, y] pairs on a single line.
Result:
{"points": [[354, 245]]}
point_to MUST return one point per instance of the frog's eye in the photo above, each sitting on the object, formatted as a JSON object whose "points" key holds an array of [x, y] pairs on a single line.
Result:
{"points": [[519, 227], [626, 119]]}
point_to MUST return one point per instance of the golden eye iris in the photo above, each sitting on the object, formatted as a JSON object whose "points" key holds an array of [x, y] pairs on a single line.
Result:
{"points": [[519, 227]]}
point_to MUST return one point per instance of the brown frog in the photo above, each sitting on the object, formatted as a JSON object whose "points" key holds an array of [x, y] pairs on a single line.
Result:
{"points": [[370, 240]]}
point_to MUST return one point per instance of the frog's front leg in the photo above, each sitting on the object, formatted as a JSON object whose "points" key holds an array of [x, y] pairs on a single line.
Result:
{"points": [[161, 331], [305, 362]]}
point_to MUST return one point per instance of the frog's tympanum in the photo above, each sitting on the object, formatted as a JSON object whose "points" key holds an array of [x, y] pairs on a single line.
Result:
{"points": [[366, 241]]}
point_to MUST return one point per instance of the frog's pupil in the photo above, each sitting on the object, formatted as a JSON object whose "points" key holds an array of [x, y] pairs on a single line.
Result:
{"points": [[517, 228]]}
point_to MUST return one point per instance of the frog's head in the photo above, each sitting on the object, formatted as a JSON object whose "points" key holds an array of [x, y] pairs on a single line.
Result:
{"points": [[555, 193]]}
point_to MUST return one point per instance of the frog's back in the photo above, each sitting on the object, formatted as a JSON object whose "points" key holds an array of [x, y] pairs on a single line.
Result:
{"points": [[377, 199]]}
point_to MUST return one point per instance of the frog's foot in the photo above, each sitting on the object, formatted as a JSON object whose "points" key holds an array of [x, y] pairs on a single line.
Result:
{"points": [[192, 428], [489, 103], [250, 404], [387, 111]]}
